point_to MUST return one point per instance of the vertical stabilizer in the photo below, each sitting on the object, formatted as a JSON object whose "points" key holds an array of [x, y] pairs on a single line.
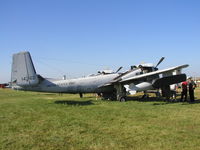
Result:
{"points": [[23, 70]]}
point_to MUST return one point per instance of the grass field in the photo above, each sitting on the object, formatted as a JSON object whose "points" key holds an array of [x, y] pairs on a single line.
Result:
{"points": [[52, 122]]}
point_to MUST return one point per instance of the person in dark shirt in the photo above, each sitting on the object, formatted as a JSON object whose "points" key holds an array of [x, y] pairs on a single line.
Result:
{"points": [[192, 86], [184, 91]]}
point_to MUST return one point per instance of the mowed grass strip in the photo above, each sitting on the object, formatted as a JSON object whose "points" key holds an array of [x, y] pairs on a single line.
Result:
{"points": [[31, 120]]}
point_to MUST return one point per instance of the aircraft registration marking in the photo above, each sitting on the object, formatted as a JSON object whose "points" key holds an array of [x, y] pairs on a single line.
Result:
{"points": [[28, 78]]}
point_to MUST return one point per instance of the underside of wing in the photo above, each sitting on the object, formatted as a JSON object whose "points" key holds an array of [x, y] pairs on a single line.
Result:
{"points": [[168, 80]]}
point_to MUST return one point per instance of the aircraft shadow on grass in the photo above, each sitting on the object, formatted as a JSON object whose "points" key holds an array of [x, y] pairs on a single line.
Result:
{"points": [[149, 99], [197, 101], [182, 103], [157, 100], [163, 101], [74, 102]]}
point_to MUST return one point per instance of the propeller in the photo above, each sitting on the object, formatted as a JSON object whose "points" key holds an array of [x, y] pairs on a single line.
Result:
{"points": [[161, 60], [118, 69]]}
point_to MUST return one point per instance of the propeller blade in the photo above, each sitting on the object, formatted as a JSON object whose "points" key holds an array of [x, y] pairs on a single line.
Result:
{"points": [[161, 60], [119, 69]]}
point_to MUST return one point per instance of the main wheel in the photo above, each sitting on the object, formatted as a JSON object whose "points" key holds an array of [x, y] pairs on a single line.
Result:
{"points": [[123, 99]]}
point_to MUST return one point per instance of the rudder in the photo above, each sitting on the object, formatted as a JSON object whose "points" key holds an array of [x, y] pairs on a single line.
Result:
{"points": [[23, 70]]}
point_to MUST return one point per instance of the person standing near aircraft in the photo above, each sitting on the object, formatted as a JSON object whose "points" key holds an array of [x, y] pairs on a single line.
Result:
{"points": [[184, 91], [192, 86]]}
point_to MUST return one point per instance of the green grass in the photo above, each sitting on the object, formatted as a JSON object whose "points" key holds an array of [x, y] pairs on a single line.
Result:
{"points": [[48, 121]]}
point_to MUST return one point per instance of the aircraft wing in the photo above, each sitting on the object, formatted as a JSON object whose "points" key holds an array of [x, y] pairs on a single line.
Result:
{"points": [[164, 71]]}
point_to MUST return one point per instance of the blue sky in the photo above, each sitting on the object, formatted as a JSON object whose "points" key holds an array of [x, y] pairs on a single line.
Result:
{"points": [[80, 37]]}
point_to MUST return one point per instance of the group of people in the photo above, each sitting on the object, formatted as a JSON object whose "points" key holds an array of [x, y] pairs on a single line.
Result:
{"points": [[190, 86]]}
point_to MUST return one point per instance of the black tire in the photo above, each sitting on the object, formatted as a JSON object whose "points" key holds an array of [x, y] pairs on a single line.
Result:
{"points": [[123, 99]]}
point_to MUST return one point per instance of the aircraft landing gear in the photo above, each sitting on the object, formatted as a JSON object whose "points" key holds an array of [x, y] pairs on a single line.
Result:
{"points": [[123, 99], [166, 92], [81, 95], [120, 92]]}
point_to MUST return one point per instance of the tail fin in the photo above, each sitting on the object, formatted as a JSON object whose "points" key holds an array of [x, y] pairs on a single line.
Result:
{"points": [[23, 70]]}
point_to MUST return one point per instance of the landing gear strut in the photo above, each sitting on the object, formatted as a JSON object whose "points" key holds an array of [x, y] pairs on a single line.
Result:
{"points": [[166, 92], [120, 92], [81, 95]]}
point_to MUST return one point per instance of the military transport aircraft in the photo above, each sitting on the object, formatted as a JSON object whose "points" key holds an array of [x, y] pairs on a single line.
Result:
{"points": [[112, 85]]}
